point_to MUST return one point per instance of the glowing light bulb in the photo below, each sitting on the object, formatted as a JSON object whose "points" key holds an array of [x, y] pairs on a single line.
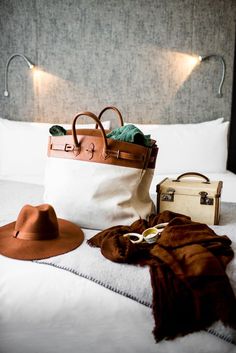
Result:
{"points": [[37, 72]]}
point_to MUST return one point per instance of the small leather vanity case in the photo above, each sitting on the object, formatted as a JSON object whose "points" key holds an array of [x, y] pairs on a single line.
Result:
{"points": [[192, 194]]}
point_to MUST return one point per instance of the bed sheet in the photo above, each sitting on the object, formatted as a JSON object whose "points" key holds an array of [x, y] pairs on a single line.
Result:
{"points": [[45, 309]]}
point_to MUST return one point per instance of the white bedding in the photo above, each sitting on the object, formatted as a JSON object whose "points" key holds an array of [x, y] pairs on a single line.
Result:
{"points": [[45, 309]]}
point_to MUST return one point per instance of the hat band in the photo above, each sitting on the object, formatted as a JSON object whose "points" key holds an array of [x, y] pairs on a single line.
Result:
{"points": [[34, 236]]}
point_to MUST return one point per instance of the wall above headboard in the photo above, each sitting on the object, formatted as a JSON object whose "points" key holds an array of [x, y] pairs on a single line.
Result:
{"points": [[134, 54]]}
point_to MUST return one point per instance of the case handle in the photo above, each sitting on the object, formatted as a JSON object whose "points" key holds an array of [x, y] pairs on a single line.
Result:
{"points": [[115, 110], [189, 174]]}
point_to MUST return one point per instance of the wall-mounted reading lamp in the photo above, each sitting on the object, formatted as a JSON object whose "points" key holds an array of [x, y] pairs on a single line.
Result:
{"points": [[203, 58], [28, 62]]}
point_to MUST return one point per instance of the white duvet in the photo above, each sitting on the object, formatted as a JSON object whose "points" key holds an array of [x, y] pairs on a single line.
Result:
{"points": [[49, 310]]}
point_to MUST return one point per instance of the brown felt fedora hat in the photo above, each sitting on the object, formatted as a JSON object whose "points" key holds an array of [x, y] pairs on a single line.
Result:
{"points": [[38, 234]]}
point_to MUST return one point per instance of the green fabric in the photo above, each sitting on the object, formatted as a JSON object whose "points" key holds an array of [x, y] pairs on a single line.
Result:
{"points": [[57, 130], [130, 133]]}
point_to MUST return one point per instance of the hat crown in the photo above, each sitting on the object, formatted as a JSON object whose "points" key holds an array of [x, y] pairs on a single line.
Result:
{"points": [[36, 223]]}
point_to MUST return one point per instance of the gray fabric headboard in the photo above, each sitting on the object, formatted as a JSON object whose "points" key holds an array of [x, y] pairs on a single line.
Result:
{"points": [[134, 54]]}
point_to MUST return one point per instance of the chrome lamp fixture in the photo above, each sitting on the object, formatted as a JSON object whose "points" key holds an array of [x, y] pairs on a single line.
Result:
{"points": [[28, 62], [207, 57]]}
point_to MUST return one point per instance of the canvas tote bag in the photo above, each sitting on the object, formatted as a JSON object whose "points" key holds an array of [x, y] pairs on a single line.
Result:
{"points": [[98, 182]]}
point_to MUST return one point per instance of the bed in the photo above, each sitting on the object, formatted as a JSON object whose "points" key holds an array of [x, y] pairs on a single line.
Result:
{"points": [[48, 306]]}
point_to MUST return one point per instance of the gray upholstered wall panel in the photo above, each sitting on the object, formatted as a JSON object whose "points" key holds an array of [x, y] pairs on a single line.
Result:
{"points": [[128, 53]]}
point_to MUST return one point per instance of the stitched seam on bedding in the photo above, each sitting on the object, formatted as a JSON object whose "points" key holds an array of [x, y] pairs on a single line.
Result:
{"points": [[90, 278], [222, 336]]}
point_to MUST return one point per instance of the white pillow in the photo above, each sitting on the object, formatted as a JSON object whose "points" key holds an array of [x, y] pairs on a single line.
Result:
{"points": [[200, 147], [23, 149]]}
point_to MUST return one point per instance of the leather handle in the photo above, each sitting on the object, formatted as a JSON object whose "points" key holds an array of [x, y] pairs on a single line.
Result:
{"points": [[115, 110], [189, 174], [98, 122], [106, 152]]}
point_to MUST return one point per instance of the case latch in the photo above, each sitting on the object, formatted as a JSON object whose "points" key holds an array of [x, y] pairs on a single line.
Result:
{"points": [[204, 199], [168, 195]]}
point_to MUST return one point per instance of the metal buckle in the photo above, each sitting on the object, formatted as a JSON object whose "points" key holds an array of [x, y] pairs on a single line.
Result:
{"points": [[168, 195], [205, 199], [68, 147]]}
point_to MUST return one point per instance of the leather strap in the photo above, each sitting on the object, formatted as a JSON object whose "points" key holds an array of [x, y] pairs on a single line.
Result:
{"points": [[91, 149], [115, 110], [117, 154], [125, 155], [62, 147], [190, 174]]}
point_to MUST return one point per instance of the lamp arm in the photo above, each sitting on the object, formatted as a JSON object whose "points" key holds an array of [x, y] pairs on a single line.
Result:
{"points": [[219, 94], [6, 80], [222, 77], [28, 62]]}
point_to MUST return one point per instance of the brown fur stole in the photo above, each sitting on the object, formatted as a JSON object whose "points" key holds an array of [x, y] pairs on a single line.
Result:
{"points": [[187, 266]]}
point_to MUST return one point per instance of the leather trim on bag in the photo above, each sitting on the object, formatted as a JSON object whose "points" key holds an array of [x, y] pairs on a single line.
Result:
{"points": [[77, 145], [118, 152]]}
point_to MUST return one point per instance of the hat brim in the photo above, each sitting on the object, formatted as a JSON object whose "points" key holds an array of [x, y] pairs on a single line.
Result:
{"points": [[70, 237]]}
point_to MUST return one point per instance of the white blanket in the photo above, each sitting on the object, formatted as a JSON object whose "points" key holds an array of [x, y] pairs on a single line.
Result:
{"points": [[48, 310], [132, 281]]}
